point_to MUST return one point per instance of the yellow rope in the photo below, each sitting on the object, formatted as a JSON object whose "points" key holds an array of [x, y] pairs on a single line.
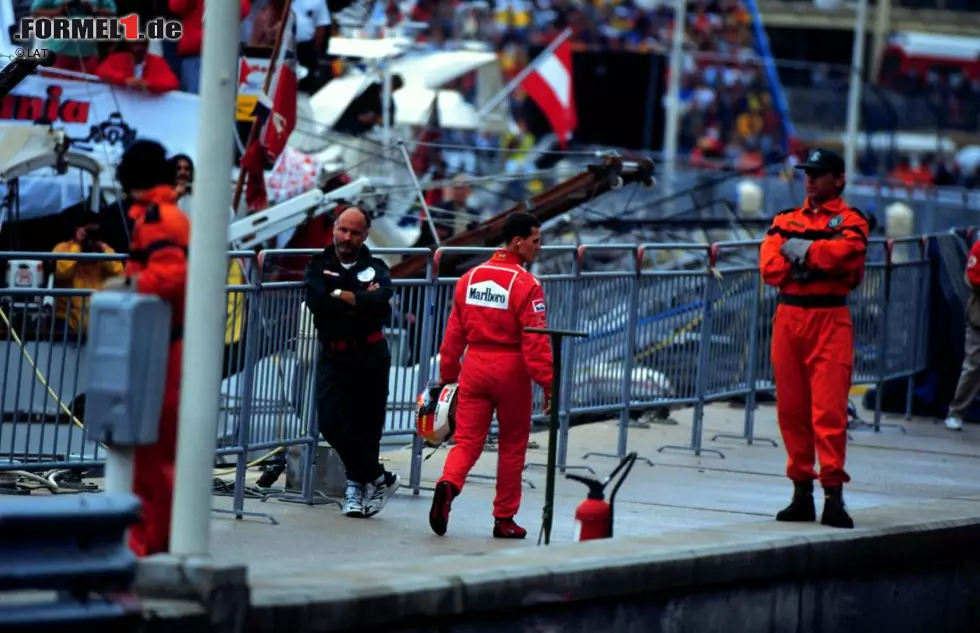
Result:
{"points": [[63, 407]]}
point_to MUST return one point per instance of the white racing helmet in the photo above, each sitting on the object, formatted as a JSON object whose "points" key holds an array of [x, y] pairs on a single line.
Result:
{"points": [[435, 414]]}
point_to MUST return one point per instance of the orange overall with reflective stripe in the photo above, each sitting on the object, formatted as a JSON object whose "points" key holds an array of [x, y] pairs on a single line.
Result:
{"points": [[813, 339]]}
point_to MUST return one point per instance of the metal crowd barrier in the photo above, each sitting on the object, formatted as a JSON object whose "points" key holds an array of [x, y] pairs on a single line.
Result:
{"points": [[662, 335]]}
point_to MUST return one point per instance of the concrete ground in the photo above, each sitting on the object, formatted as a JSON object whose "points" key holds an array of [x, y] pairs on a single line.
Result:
{"points": [[681, 492]]}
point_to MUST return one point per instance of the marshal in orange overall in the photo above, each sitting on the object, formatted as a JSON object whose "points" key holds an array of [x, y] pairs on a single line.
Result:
{"points": [[815, 255]]}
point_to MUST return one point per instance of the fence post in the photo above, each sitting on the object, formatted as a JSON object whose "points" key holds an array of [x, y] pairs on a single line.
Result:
{"points": [[882, 359], [566, 400], [426, 360], [704, 349], [245, 413], [751, 370], [923, 282]]}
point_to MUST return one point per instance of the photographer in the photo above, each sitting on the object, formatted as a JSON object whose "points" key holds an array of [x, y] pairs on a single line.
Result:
{"points": [[87, 274], [76, 55]]}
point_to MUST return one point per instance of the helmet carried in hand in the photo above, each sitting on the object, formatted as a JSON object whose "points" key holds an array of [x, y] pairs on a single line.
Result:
{"points": [[435, 414]]}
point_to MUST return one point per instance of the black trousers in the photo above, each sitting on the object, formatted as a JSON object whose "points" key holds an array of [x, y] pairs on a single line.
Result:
{"points": [[352, 401]]}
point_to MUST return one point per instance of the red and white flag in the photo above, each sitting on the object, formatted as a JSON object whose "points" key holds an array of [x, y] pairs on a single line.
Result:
{"points": [[275, 112], [550, 85]]}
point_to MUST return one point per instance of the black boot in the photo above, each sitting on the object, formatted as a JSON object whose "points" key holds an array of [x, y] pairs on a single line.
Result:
{"points": [[801, 508], [834, 512]]}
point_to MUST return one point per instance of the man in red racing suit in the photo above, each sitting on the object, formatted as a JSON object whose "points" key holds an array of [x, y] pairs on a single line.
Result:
{"points": [[492, 305], [157, 265]]}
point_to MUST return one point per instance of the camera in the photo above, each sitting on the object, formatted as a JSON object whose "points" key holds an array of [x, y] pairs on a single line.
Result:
{"points": [[93, 235]]}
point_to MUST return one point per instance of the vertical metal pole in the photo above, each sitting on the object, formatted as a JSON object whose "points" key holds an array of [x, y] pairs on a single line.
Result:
{"points": [[204, 314], [704, 358], [626, 386], [426, 358], [922, 293], [855, 90], [673, 109], [119, 470], [253, 338], [753, 361], [549, 487], [565, 402], [311, 447], [120, 466], [882, 359]]}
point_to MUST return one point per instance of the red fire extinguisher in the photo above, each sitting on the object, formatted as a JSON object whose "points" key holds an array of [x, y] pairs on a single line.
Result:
{"points": [[594, 517]]}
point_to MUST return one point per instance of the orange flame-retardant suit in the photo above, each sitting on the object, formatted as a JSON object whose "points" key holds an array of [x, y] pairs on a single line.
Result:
{"points": [[813, 339], [157, 265], [492, 305]]}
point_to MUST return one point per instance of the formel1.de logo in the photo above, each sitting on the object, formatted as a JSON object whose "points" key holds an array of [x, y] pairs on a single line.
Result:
{"points": [[98, 28]]}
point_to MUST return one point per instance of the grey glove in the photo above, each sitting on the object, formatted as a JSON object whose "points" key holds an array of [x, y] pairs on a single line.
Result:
{"points": [[794, 249]]}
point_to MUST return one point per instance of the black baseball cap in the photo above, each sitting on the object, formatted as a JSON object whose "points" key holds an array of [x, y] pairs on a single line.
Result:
{"points": [[823, 160]]}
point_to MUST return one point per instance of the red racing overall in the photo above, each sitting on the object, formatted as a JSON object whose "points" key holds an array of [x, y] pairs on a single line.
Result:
{"points": [[813, 339], [158, 266], [493, 303]]}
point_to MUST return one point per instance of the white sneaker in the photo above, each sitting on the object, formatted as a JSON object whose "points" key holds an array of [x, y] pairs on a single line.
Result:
{"points": [[380, 492], [354, 500], [954, 424]]}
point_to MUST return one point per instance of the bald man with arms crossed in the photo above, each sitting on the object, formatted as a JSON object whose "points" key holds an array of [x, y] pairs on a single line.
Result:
{"points": [[348, 292]]}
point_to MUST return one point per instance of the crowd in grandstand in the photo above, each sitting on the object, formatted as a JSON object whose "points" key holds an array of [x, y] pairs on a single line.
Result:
{"points": [[729, 115]]}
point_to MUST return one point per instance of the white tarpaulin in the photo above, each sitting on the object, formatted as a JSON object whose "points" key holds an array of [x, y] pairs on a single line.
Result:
{"points": [[436, 69], [100, 119]]}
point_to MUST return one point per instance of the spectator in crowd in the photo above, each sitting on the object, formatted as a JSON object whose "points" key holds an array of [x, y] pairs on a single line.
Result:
{"points": [[90, 274], [133, 66], [312, 30], [75, 55], [191, 16], [184, 176], [348, 293], [465, 215], [724, 92]]}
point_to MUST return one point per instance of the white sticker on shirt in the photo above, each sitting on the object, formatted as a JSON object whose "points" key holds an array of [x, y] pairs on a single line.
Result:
{"points": [[538, 305], [488, 294], [970, 263], [366, 275]]}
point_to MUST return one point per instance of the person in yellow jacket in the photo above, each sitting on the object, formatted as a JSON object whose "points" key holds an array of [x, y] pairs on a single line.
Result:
{"points": [[89, 275]]}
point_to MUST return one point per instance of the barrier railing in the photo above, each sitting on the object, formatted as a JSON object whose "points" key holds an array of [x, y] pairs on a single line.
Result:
{"points": [[669, 325]]}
